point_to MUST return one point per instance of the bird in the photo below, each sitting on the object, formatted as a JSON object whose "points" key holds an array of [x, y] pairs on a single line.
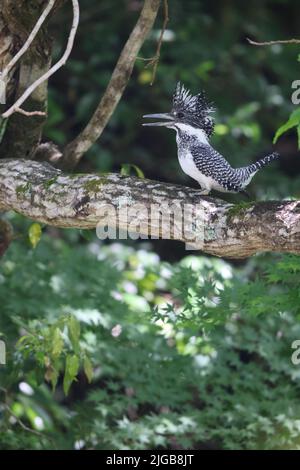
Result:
{"points": [[191, 118]]}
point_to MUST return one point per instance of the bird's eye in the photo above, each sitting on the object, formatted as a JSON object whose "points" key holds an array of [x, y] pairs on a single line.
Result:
{"points": [[180, 115]]}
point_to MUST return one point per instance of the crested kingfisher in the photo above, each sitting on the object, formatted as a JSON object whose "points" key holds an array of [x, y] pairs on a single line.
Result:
{"points": [[191, 118]]}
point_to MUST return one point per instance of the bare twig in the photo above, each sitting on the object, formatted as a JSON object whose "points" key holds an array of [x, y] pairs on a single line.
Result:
{"points": [[30, 39], [30, 113], [155, 61], [20, 422], [271, 43], [27, 428], [117, 84], [16, 106]]}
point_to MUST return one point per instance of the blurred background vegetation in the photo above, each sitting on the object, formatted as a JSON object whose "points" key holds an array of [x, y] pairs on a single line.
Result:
{"points": [[144, 344]]}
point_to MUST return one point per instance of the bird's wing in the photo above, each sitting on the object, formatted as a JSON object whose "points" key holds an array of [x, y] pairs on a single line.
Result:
{"points": [[211, 163]]}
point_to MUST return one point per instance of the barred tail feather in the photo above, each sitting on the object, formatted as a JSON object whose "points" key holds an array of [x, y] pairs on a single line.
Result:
{"points": [[263, 162], [246, 173]]}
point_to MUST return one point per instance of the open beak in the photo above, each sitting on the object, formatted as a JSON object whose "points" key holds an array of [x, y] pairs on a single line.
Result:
{"points": [[168, 119]]}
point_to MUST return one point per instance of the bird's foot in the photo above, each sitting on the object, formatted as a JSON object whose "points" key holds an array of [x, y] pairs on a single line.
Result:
{"points": [[204, 192]]}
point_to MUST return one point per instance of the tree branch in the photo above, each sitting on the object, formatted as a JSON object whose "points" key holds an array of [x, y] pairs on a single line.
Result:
{"points": [[117, 84], [5, 72], [6, 54], [271, 43], [45, 194], [16, 106], [154, 61], [24, 22]]}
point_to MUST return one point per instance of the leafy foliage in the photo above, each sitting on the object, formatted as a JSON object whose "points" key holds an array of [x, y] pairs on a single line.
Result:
{"points": [[47, 344], [196, 354], [293, 121], [126, 168]]}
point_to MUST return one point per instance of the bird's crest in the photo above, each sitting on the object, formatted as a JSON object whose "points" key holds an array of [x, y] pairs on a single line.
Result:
{"points": [[196, 108]]}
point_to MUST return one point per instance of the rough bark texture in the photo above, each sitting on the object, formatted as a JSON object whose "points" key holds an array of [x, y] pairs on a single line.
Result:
{"points": [[117, 84], [23, 134], [45, 194], [6, 236], [7, 51]]}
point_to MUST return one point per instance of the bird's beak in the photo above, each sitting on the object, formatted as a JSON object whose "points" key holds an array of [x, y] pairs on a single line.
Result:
{"points": [[168, 117]]}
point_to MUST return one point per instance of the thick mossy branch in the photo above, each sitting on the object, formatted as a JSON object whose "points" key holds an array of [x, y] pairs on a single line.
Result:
{"points": [[45, 194]]}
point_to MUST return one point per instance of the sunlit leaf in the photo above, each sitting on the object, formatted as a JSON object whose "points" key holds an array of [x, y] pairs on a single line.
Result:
{"points": [[145, 77], [57, 343], [293, 121], [34, 234], [71, 370], [74, 332], [127, 167], [88, 369]]}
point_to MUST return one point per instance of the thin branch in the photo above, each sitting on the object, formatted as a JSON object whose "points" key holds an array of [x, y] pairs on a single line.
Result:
{"points": [[115, 88], [27, 428], [44, 194], [271, 43], [53, 69], [157, 55], [20, 422], [30, 113], [24, 134], [155, 60], [30, 39]]}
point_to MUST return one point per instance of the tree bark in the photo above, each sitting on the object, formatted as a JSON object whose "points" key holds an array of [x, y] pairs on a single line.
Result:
{"points": [[45, 194], [6, 236], [23, 135]]}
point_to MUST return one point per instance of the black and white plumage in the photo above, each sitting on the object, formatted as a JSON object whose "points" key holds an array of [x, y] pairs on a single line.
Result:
{"points": [[191, 118]]}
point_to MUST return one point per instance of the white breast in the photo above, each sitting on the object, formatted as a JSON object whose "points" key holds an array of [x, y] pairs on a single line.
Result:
{"points": [[188, 166], [186, 160]]}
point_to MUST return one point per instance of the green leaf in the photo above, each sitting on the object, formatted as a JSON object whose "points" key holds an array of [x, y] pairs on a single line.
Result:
{"points": [[293, 121], [126, 167], [88, 235], [54, 379], [52, 376], [34, 234], [88, 369], [74, 332], [72, 366], [57, 343]]}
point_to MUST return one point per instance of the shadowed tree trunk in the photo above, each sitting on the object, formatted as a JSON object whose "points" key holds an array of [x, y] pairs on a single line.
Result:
{"points": [[23, 135]]}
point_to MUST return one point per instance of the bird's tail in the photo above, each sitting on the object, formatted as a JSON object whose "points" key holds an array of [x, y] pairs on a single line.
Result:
{"points": [[246, 173], [262, 162]]}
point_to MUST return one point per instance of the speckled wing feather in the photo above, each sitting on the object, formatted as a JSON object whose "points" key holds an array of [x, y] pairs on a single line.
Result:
{"points": [[211, 163]]}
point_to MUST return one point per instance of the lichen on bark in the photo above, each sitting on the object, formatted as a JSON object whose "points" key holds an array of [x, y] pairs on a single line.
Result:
{"points": [[45, 194]]}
